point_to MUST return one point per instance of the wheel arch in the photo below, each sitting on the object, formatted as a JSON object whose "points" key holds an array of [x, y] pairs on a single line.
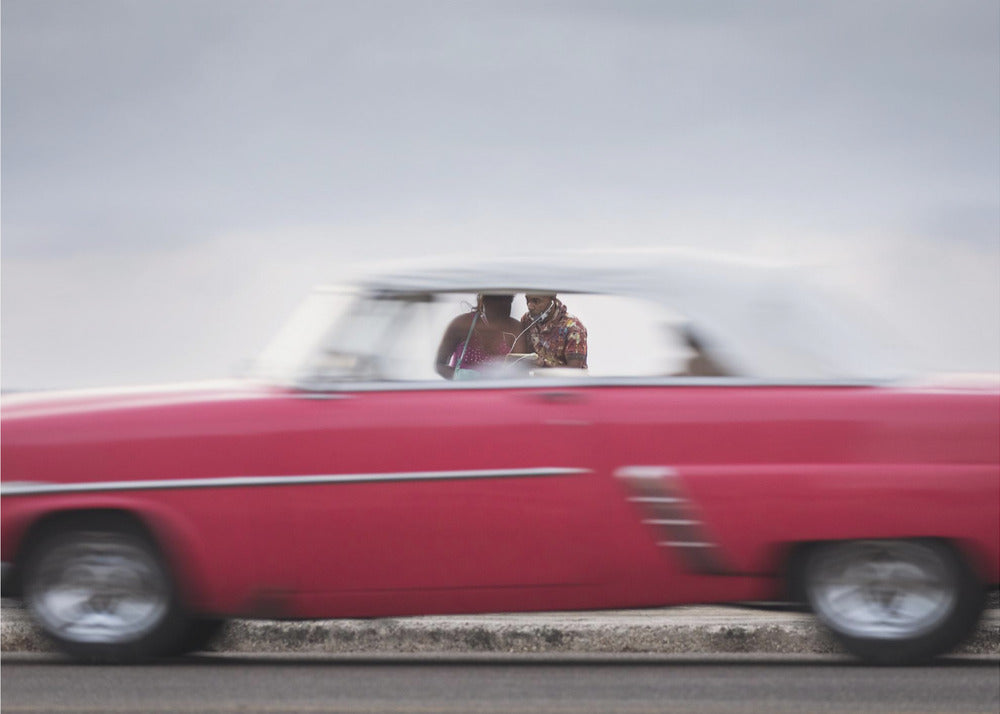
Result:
{"points": [[796, 555], [170, 540]]}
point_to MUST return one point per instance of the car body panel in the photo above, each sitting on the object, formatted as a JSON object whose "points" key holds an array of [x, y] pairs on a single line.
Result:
{"points": [[505, 498]]}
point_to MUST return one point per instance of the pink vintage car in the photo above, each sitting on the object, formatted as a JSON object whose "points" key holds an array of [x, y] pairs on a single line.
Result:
{"points": [[735, 437]]}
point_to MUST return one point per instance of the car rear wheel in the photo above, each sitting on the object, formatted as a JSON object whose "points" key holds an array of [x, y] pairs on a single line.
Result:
{"points": [[893, 602], [103, 595]]}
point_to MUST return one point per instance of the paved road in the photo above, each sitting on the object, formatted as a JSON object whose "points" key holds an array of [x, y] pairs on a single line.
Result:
{"points": [[511, 684]]}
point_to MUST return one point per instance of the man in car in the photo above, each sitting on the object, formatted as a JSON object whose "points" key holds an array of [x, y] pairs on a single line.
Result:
{"points": [[556, 337]]}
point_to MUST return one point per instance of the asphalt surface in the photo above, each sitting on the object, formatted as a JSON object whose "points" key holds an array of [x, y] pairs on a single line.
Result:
{"points": [[675, 630], [522, 684]]}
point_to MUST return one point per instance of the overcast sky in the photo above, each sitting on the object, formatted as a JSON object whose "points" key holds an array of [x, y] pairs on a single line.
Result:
{"points": [[177, 173]]}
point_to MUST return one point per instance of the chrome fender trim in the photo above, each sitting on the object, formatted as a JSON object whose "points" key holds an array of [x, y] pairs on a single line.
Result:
{"points": [[673, 517], [37, 489]]}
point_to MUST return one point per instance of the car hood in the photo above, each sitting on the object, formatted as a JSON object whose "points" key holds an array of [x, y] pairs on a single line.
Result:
{"points": [[82, 401]]}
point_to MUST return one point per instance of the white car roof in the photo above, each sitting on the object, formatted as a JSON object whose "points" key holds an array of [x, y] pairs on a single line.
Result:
{"points": [[654, 274], [761, 318]]}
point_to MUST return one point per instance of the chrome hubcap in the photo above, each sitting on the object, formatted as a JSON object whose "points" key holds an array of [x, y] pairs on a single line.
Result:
{"points": [[881, 590], [102, 588]]}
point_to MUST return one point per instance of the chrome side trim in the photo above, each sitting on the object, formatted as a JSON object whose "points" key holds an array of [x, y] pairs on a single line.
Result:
{"points": [[34, 489], [671, 522], [656, 499], [547, 382], [322, 395]]}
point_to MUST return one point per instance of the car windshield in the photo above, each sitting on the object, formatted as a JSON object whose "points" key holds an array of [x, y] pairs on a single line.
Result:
{"points": [[288, 357]]}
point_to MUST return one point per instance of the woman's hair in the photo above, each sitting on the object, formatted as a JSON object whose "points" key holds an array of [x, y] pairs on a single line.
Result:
{"points": [[481, 299]]}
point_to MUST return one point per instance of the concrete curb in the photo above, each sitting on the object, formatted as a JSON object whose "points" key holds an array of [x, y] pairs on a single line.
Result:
{"points": [[679, 630], [519, 637]]}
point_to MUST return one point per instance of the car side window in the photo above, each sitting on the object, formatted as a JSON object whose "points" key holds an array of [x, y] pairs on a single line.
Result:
{"points": [[396, 338], [385, 338]]}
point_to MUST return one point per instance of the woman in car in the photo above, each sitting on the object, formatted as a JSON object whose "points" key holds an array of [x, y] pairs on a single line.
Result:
{"points": [[479, 338]]}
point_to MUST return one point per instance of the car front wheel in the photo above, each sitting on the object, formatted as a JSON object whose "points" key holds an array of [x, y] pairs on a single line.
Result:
{"points": [[103, 595], [893, 602]]}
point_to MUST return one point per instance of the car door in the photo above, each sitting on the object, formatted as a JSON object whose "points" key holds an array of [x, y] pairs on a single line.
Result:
{"points": [[444, 488]]}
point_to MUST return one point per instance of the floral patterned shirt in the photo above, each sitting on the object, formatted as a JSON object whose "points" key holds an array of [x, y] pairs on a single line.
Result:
{"points": [[559, 336]]}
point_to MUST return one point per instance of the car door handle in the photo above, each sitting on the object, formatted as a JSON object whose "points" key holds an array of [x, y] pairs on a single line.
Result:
{"points": [[561, 397]]}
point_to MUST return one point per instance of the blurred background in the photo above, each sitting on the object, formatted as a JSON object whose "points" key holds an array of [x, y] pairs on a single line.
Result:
{"points": [[178, 173]]}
